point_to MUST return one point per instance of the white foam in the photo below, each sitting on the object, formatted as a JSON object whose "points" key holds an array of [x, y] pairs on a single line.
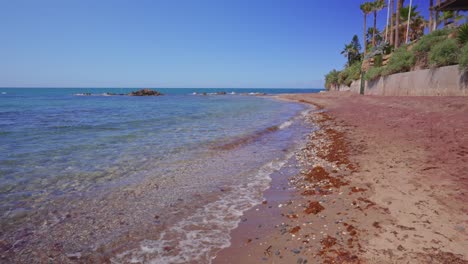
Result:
{"points": [[195, 238], [288, 123]]}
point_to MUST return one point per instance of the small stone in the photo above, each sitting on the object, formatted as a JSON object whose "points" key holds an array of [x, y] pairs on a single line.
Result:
{"points": [[74, 256], [295, 251]]}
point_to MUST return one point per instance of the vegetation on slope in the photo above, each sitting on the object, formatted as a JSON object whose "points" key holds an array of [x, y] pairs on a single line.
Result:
{"points": [[446, 46]]}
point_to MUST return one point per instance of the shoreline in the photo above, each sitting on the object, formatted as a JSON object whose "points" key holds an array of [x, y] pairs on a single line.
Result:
{"points": [[194, 200], [395, 187]]}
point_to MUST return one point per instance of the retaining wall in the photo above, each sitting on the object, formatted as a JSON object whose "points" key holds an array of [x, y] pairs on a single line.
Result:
{"points": [[447, 81]]}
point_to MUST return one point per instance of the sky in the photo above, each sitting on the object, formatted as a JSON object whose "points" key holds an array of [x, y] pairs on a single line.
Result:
{"points": [[176, 43]]}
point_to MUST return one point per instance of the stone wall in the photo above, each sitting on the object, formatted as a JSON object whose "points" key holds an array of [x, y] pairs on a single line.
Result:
{"points": [[447, 81]]}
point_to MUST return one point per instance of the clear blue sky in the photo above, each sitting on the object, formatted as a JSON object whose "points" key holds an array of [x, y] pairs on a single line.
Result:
{"points": [[175, 43]]}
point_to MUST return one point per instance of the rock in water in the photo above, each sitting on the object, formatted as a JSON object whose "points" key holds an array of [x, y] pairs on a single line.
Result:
{"points": [[145, 92]]}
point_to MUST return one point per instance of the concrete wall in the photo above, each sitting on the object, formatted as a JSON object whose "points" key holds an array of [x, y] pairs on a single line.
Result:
{"points": [[446, 81], [355, 86]]}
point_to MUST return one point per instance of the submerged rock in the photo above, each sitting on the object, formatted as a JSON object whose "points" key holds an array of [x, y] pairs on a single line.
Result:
{"points": [[145, 92]]}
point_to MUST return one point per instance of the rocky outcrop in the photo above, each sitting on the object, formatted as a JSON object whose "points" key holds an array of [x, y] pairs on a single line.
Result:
{"points": [[145, 92]]}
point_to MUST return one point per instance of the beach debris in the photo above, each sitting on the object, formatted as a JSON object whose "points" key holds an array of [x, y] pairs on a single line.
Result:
{"points": [[267, 251], [357, 189], [328, 242], [314, 208], [74, 256], [292, 216], [301, 261], [351, 229], [167, 248], [295, 229]]}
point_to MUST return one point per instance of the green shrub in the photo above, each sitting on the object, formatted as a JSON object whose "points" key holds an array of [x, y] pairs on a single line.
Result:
{"points": [[428, 41], [402, 60], [463, 34], [354, 71], [331, 79], [378, 60], [373, 73], [342, 76], [463, 60], [444, 53], [350, 73]]}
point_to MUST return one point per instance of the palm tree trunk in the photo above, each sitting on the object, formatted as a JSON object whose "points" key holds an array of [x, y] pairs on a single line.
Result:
{"points": [[397, 24], [436, 18], [375, 27], [364, 38], [408, 22], [392, 8], [431, 12], [388, 21]]}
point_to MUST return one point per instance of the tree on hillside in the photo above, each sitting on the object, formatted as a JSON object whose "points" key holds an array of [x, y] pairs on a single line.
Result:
{"points": [[378, 36], [397, 23], [331, 80], [355, 43], [352, 51], [366, 8], [417, 22], [431, 15], [451, 17], [436, 17], [392, 22], [377, 5]]}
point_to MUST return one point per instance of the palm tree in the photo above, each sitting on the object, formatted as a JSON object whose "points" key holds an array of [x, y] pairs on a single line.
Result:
{"points": [[451, 17], [378, 36], [397, 22], [366, 8], [351, 50], [436, 16], [417, 22], [348, 52], [431, 11], [331, 80], [392, 21], [377, 5]]}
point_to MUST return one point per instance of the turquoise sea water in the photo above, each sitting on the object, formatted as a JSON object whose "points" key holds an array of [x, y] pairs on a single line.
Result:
{"points": [[55, 144]]}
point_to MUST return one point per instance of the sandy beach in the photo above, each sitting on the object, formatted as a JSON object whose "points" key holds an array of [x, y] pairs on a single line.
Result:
{"points": [[383, 180]]}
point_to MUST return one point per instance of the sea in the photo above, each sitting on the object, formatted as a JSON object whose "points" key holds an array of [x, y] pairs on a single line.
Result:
{"points": [[90, 174]]}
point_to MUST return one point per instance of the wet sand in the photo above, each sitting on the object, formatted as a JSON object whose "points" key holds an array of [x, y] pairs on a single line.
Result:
{"points": [[384, 180]]}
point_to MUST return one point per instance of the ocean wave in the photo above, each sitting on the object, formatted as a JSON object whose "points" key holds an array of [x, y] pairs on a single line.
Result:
{"points": [[246, 139], [198, 237]]}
